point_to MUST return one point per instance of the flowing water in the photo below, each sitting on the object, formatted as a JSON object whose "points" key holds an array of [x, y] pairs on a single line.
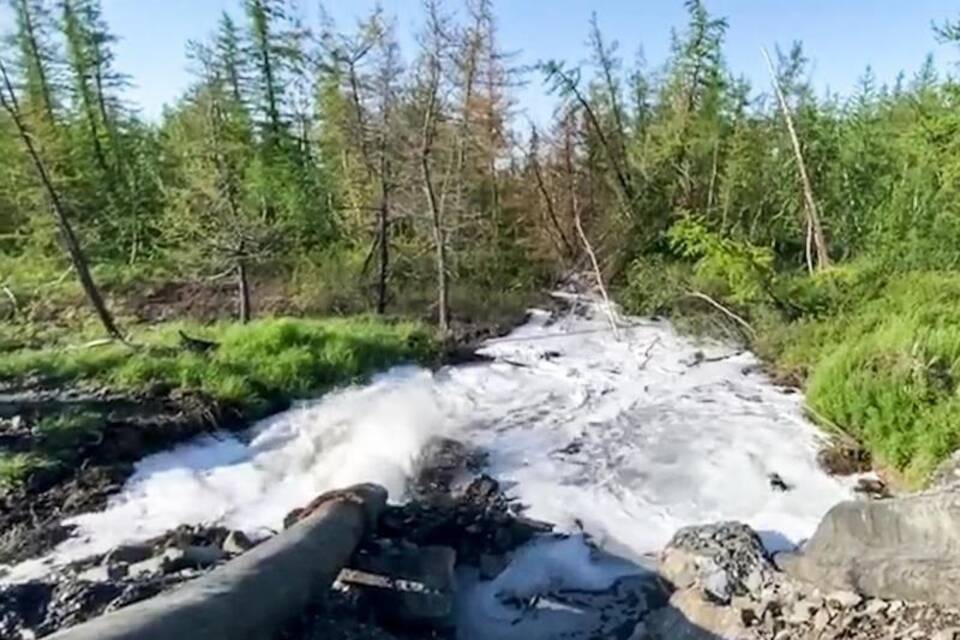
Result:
{"points": [[619, 438]]}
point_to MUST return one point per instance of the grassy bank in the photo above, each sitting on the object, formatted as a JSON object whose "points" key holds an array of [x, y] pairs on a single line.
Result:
{"points": [[250, 369], [878, 350]]}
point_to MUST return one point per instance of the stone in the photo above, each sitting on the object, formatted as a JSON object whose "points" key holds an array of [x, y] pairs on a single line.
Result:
{"points": [[129, 553], [903, 548], [492, 566], [104, 573], [946, 634], [193, 557], [800, 613], [148, 568], [875, 608], [846, 599], [722, 560], [690, 616], [236, 543], [821, 620]]}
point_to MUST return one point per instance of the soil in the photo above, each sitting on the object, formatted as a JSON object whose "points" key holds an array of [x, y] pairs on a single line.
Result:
{"points": [[130, 428]]}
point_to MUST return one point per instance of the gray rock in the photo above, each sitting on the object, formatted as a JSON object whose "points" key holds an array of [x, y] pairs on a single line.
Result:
{"points": [[721, 560], [104, 573], [236, 543], [690, 616], [904, 549], [846, 599], [492, 566], [193, 557], [129, 554]]}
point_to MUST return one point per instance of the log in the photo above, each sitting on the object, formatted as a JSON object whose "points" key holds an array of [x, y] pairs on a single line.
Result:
{"points": [[260, 592]]}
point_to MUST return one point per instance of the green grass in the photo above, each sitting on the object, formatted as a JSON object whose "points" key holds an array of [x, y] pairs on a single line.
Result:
{"points": [[253, 362], [254, 366], [879, 352], [17, 468]]}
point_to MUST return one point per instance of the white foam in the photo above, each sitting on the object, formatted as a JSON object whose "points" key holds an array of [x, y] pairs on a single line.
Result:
{"points": [[629, 439]]}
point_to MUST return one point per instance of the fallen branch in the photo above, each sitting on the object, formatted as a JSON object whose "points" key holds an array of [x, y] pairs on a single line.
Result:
{"points": [[611, 314], [727, 312], [648, 352]]}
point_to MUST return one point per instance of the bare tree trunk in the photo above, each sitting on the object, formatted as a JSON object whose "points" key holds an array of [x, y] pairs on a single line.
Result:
{"points": [[8, 100], [439, 241], [626, 189], [567, 247], [815, 237], [243, 290], [436, 203], [384, 237]]}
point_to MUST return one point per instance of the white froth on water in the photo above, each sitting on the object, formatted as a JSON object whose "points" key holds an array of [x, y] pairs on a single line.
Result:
{"points": [[628, 439]]}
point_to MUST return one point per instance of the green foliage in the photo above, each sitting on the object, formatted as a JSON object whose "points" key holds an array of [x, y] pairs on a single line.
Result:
{"points": [[743, 272], [17, 468]]}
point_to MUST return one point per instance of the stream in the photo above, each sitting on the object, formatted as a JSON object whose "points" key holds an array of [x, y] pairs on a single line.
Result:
{"points": [[616, 439]]}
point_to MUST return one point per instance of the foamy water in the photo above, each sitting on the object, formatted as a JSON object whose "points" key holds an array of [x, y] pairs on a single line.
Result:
{"points": [[626, 439]]}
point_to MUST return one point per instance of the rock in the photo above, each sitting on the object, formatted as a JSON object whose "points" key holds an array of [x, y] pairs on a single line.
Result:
{"points": [[129, 554], [846, 599], [148, 568], [691, 617], [875, 608], [492, 566], [193, 557], [236, 543], [721, 560], [897, 549], [104, 573], [821, 620], [946, 634]]}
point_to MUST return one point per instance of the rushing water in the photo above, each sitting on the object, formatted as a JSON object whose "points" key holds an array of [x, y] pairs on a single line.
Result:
{"points": [[626, 437]]}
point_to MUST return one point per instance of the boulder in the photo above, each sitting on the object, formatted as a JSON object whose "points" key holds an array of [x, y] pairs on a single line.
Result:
{"points": [[689, 616], [129, 554], [720, 560], [899, 549], [236, 543]]}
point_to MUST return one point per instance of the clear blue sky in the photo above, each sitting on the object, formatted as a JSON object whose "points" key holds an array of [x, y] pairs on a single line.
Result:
{"points": [[840, 36]]}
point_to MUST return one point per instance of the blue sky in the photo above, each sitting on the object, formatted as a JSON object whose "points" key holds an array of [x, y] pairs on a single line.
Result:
{"points": [[840, 36]]}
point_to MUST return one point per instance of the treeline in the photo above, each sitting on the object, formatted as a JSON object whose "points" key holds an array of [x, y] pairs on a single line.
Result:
{"points": [[409, 180]]}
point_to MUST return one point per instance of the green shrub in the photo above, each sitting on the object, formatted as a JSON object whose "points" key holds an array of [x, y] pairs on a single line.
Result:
{"points": [[17, 468]]}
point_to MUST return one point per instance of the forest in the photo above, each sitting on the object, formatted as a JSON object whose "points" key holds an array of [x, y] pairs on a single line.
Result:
{"points": [[318, 169]]}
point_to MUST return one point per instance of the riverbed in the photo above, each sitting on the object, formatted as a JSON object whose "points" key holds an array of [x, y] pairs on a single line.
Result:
{"points": [[619, 436]]}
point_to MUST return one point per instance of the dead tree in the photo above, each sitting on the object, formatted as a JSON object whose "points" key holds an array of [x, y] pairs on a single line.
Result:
{"points": [[9, 102], [567, 82], [373, 140], [431, 70], [815, 239]]}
